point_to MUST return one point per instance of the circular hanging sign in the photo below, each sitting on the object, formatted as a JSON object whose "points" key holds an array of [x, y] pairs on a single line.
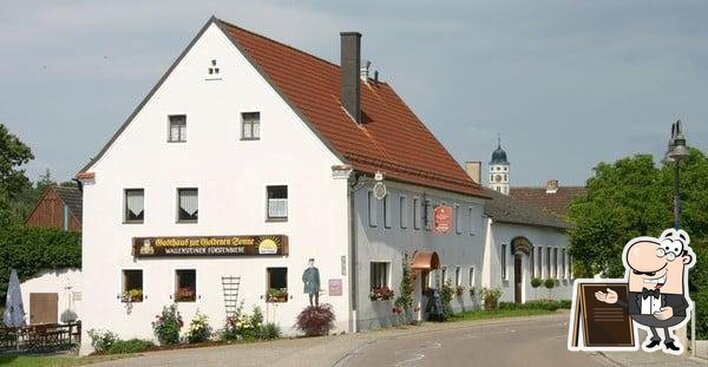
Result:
{"points": [[379, 190]]}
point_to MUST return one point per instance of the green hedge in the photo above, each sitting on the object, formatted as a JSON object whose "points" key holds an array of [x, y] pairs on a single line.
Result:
{"points": [[30, 249], [700, 300], [549, 305], [130, 346]]}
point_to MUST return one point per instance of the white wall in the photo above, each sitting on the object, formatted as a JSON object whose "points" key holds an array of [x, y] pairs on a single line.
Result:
{"points": [[66, 283], [231, 176], [503, 233], [389, 244]]}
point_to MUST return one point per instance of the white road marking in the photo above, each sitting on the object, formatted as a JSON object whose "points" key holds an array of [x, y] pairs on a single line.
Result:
{"points": [[417, 358]]}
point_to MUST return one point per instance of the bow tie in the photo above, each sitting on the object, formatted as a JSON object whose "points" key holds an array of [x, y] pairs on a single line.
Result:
{"points": [[650, 292]]}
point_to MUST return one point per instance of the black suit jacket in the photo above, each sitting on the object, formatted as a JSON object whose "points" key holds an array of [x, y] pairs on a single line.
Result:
{"points": [[676, 301]]}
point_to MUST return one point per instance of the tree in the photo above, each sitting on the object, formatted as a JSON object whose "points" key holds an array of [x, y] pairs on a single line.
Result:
{"points": [[13, 181], [634, 197]]}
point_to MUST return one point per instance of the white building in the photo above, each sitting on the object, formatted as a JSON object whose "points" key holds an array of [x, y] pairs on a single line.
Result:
{"points": [[523, 243], [250, 157], [522, 240], [53, 296]]}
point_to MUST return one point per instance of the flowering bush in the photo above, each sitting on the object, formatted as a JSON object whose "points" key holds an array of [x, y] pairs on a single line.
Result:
{"points": [[490, 297], [381, 294], [102, 340], [446, 293], [459, 290], [185, 294], [167, 325], [244, 326], [316, 320], [199, 329], [404, 301]]}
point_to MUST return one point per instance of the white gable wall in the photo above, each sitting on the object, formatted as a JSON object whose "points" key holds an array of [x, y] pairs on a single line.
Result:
{"points": [[231, 176]]}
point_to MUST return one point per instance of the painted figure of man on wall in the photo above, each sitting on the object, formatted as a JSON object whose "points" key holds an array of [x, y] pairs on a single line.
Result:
{"points": [[311, 280]]}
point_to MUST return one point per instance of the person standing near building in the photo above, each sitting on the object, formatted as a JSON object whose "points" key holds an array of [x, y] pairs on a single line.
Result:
{"points": [[311, 280]]}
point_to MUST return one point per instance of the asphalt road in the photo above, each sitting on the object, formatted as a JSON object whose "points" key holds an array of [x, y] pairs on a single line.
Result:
{"points": [[528, 342]]}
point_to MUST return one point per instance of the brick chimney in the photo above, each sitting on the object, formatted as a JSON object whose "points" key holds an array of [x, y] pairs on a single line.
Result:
{"points": [[474, 170], [350, 73], [552, 186]]}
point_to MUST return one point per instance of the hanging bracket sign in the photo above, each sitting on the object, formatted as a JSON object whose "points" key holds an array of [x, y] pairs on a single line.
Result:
{"points": [[265, 245], [442, 215]]}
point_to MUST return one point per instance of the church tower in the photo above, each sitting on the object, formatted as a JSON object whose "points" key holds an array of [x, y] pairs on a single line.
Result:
{"points": [[499, 170]]}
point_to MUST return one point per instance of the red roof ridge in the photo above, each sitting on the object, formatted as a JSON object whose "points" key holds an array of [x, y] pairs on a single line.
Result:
{"points": [[418, 172], [330, 63]]}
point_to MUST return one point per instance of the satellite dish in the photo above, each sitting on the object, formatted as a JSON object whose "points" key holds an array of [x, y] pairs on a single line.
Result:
{"points": [[379, 190]]}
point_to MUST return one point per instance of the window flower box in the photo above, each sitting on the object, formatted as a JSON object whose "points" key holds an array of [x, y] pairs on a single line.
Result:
{"points": [[185, 295], [277, 295], [381, 294], [132, 296]]}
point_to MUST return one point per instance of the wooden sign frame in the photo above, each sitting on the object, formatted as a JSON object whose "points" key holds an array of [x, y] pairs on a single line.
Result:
{"points": [[585, 315]]}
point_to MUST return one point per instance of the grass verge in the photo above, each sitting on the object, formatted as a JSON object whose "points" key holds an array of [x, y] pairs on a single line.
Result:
{"points": [[497, 314], [54, 361]]}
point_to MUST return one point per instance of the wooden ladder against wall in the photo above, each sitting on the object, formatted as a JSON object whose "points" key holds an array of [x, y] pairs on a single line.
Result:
{"points": [[231, 286]]}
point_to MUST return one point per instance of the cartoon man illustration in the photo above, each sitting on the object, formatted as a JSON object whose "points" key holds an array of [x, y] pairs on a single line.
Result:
{"points": [[657, 274]]}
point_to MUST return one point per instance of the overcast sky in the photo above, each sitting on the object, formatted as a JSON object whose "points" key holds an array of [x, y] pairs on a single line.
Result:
{"points": [[567, 84]]}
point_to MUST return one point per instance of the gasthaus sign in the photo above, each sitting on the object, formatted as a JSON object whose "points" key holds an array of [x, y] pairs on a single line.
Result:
{"points": [[266, 245]]}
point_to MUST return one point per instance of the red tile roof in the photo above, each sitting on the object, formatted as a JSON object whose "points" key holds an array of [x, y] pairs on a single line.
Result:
{"points": [[556, 203], [391, 139]]}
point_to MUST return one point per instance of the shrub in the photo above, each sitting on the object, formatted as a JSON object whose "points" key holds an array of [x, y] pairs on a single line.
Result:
{"points": [[102, 340], [490, 297], [446, 294], [168, 325], [566, 303], [199, 329], [130, 346], [270, 331], [510, 306], [473, 291], [700, 300], [459, 290], [244, 326], [31, 249], [536, 282], [548, 305], [316, 320], [549, 283], [404, 301]]}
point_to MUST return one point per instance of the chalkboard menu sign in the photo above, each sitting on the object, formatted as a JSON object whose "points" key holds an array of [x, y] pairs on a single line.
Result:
{"points": [[598, 323]]}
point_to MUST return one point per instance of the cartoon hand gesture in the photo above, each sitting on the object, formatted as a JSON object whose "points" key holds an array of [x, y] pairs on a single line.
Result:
{"points": [[664, 314], [610, 297]]}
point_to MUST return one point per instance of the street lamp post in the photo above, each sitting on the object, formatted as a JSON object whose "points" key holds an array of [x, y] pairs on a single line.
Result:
{"points": [[676, 153]]}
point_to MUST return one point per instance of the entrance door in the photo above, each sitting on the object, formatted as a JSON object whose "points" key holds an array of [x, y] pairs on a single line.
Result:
{"points": [[518, 278], [43, 308]]}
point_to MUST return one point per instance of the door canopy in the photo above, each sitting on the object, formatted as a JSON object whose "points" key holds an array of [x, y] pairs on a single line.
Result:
{"points": [[425, 260], [521, 245]]}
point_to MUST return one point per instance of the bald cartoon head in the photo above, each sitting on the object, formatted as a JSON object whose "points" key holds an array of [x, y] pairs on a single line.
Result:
{"points": [[659, 263]]}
